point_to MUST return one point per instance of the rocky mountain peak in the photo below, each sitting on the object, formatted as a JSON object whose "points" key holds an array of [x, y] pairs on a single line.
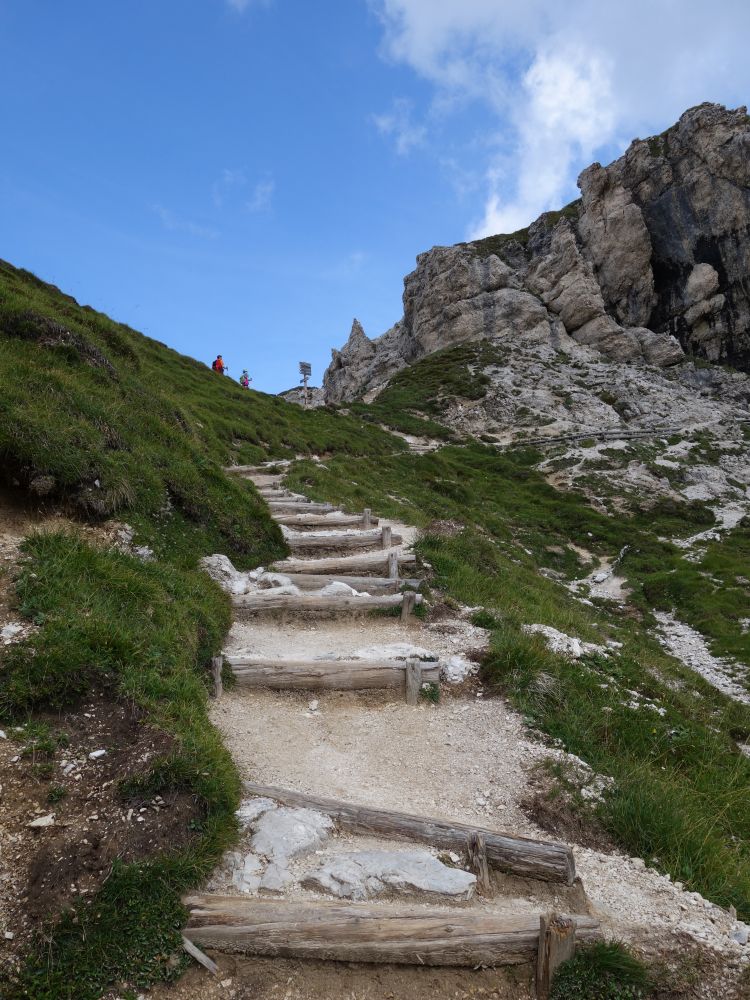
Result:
{"points": [[651, 262]]}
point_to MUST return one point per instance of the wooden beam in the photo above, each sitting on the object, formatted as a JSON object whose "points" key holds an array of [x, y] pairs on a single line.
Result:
{"points": [[367, 519], [387, 536], [302, 520], [340, 564], [268, 600], [199, 957], [408, 604], [337, 540], [542, 859], [414, 678], [342, 675], [294, 506], [557, 943], [393, 565], [316, 581], [477, 851], [216, 664], [357, 932]]}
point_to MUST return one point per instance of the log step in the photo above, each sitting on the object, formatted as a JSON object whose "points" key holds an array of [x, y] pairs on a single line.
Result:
{"points": [[340, 675], [301, 506], [316, 581], [339, 540], [548, 860], [359, 932], [302, 520], [267, 600], [342, 564]]}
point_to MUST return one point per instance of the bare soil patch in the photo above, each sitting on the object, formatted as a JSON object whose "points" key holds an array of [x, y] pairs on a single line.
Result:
{"points": [[46, 869]]}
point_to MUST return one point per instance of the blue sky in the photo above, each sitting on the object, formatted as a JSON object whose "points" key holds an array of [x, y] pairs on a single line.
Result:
{"points": [[246, 176]]}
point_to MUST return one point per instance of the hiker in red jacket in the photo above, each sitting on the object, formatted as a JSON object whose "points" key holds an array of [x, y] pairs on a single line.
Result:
{"points": [[218, 365]]}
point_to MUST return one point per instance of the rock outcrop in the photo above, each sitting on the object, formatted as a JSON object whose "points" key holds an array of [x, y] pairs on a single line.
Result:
{"points": [[651, 262]]}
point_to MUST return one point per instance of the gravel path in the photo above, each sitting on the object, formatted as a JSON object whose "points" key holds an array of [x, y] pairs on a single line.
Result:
{"points": [[467, 759]]}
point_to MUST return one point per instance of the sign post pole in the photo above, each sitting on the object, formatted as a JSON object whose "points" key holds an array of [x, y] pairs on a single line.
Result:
{"points": [[305, 370]]}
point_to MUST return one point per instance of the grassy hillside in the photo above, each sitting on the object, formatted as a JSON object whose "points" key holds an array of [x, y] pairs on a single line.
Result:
{"points": [[114, 423], [500, 537], [100, 422]]}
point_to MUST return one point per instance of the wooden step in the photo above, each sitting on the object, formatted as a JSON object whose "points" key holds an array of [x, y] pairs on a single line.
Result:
{"points": [[303, 506], [342, 564], [316, 581], [342, 540], [361, 932], [274, 493], [267, 600], [313, 675], [303, 520], [254, 470], [547, 860]]}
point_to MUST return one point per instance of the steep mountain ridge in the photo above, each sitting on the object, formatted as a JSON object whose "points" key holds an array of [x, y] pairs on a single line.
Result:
{"points": [[649, 264]]}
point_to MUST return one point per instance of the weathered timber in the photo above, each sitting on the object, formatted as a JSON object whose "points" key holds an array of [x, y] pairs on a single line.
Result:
{"points": [[216, 664], [302, 520], [393, 565], [198, 955], [260, 470], [337, 540], [301, 506], [476, 849], [387, 537], [557, 943], [269, 600], [367, 519], [273, 493], [408, 604], [341, 564], [414, 678], [316, 581], [542, 859], [343, 675], [357, 932]]}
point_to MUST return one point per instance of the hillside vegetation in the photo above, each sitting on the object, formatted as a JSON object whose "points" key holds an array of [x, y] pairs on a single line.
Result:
{"points": [[109, 426], [101, 422], [499, 537]]}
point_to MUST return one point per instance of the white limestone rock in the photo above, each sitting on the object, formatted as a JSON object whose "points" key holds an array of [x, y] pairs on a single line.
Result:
{"points": [[364, 874]]}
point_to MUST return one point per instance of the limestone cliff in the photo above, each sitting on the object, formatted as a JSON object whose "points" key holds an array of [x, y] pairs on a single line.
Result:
{"points": [[651, 262]]}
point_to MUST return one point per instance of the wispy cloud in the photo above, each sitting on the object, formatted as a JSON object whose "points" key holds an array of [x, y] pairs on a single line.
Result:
{"points": [[176, 224], [346, 267], [242, 5], [399, 125], [262, 196], [561, 83], [227, 181]]}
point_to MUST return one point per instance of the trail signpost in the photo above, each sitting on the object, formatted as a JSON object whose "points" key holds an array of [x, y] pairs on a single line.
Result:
{"points": [[305, 370]]}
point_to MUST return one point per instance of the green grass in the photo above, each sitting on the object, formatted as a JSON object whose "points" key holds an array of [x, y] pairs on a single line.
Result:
{"points": [[142, 633], [115, 423], [680, 782], [601, 971]]}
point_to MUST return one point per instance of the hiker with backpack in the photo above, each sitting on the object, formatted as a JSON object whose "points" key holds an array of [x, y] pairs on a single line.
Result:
{"points": [[245, 379], [219, 366]]}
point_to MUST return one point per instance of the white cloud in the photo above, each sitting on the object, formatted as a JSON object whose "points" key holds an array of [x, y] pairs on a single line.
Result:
{"points": [[228, 180], [346, 267], [563, 81], [262, 196], [398, 124], [176, 224], [242, 5]]}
